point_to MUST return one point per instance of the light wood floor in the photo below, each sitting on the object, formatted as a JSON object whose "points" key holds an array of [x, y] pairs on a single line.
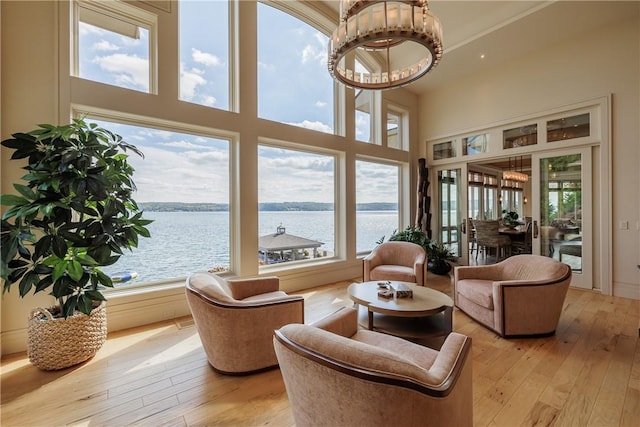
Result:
{"points": [[588, 374]]}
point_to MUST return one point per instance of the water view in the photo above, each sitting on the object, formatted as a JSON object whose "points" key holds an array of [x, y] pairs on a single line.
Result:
{"points": [[184, 242]]}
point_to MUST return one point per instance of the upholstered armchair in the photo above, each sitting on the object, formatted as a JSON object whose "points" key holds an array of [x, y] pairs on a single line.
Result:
{"points": [[236, 319], [337, 375], [520, 296], [396, 260]]}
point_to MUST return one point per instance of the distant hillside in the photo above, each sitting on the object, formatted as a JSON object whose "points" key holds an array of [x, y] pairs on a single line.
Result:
{"points": [[274, 207]]}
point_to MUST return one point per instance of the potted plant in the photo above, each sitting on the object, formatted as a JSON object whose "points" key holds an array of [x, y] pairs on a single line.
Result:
{"points": [[411, 234], [73, 214], [509, 218], [439, 255]]}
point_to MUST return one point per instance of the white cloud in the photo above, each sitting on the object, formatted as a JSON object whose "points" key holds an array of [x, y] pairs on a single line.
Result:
{"points": [[208, 100], [321, 38], [189, 82], [104, 45], [182, 144], [196, 175], [127, 68], [313, 53], [319, 126], [266, 66], [320, 104], [204, 58]]}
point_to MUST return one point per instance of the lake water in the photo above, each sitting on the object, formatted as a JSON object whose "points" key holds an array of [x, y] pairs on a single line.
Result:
{"points": [[184, 242]]}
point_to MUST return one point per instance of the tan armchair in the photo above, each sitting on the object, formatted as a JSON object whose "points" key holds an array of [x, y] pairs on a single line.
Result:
{"points": [[395, 260], [520, 296], [236, 319], [337, 375]]}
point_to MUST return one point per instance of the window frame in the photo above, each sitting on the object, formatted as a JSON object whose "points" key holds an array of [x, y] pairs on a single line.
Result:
{"points": [[338, 207], [123, 12], [163, 125]]}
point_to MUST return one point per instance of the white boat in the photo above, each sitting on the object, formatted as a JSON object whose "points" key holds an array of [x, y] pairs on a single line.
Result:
{"points": [[123, 276]]}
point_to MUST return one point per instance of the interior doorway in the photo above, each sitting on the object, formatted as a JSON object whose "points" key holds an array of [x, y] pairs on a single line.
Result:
{"points": [[549, 199]]}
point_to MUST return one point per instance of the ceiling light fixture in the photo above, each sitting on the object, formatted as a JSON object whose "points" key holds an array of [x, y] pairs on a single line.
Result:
{"points": [[514, 175], [385, 28]]}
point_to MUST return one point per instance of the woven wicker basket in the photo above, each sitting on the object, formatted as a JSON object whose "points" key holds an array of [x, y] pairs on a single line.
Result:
{"points": [[57, 343]]}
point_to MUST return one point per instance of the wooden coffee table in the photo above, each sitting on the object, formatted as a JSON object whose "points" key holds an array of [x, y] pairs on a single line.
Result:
{"points": [[426, 318]]}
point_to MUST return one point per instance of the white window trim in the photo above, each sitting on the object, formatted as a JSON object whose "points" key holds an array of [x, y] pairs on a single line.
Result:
{"points": [[123, 12]]}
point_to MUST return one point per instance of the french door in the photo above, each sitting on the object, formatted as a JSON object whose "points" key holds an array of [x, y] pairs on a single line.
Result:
{"points": [[451, 225], [562, 210]]}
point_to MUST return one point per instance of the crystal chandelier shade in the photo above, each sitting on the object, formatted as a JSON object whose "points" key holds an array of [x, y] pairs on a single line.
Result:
{"points": [[514, 175], [384, 28]]}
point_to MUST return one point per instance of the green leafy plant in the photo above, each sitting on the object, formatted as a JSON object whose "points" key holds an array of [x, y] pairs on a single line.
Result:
{"points": [[73, 214], [411, 234], [439, 252]]}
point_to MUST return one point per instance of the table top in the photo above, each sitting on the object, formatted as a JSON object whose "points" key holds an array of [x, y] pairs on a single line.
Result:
{"points": [[520, 229], [425, 301]]}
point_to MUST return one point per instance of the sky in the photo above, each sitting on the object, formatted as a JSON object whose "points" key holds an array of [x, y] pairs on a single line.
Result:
{"points": [[180, 167]]}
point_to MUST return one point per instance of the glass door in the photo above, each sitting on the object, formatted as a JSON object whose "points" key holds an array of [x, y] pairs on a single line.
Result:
{"points": [[562, 218], [452, 206]]}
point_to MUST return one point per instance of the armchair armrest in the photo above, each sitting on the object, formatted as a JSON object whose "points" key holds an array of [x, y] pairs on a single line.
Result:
{"points": [[244, 288], [343, 322], [373, 259], [529, 306], [481, 272]]}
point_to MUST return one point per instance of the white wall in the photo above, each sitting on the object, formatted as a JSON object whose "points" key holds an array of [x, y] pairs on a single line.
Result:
{"points": [[598, 64]]}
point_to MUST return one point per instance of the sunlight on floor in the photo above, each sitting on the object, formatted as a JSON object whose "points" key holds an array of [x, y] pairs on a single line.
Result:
{"points": [[177, 351]]}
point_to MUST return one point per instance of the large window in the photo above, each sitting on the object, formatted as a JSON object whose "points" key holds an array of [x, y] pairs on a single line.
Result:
{"points": [[377, 194], [296, 205], [204, 52], [115, 44], [294, 86], [183, 186], [196, 137]]}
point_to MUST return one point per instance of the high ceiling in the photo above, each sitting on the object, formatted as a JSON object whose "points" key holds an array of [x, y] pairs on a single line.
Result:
{"points": [[504, 30]]}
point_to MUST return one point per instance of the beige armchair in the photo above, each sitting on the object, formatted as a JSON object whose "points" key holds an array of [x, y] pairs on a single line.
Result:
{"points": [[395, 260], [337, 375], [520, 296], [236, 319]]}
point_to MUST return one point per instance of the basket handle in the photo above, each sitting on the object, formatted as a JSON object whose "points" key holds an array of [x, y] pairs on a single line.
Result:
{"points": [[40, 311]]}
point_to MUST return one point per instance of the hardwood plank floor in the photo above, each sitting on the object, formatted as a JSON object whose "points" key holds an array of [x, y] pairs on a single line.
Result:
{"points": [[588, 374]]}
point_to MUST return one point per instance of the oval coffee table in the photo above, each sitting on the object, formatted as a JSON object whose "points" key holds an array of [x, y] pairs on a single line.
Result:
{"points": [[425, 318]]}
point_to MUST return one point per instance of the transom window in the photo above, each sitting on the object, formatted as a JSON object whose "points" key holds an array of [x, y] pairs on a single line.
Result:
{"points": [[204, 53], [115, 44]]}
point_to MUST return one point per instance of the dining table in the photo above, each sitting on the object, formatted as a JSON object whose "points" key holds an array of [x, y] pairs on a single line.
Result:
{"points": [[513, 231]]}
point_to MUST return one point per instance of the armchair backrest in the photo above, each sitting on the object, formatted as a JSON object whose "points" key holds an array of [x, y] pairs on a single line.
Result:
{"points": [[211, 286], [400, 253], [534, 268], [336, 380]]}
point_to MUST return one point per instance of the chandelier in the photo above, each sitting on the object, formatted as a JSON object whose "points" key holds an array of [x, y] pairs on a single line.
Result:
{"points": [[395, 31], [514, 175]]}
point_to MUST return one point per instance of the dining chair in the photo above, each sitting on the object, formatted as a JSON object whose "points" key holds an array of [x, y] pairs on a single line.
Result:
{"points": [[472, 237], [524, 246], [488, 236]]}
